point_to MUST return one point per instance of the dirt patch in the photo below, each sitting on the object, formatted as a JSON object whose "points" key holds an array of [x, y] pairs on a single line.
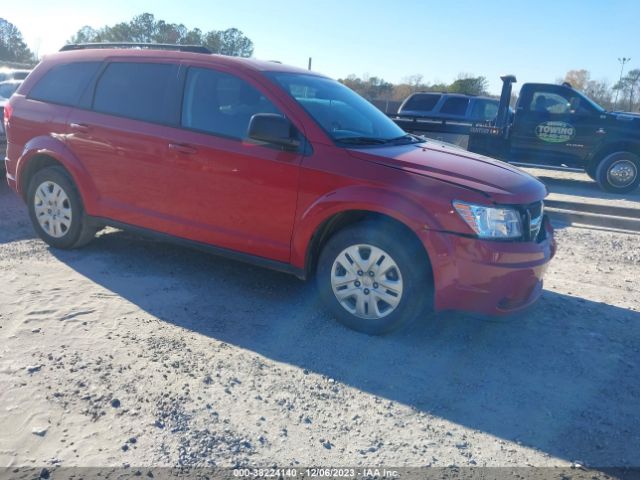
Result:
{"points": [[133, 352]]}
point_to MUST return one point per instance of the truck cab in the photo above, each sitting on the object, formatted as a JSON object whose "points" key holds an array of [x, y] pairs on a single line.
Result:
{"points": [[556, 126]]}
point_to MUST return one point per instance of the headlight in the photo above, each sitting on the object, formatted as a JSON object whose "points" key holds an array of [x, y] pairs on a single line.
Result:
{"points": [[490, 222]]}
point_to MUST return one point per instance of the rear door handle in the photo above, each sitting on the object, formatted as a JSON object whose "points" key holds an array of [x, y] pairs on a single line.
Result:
{"points": [[183, 148], [79, 127]]}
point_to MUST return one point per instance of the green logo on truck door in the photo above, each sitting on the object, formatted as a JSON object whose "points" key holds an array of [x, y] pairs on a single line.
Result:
{"points": [[555, 132]]}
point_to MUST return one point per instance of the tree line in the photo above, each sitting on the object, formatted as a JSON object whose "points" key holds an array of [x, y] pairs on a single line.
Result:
{"points": [[623, 95], [12, 46], [144, 28], [376, 88]]}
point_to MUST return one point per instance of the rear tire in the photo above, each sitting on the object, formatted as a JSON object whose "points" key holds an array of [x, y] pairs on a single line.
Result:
{"points": [[56, 209], [374, 278], [618, 172]]}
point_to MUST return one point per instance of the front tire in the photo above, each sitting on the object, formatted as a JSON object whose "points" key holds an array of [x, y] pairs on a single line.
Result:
{"points": [[374, 278], [56, 209], [618, 172]]}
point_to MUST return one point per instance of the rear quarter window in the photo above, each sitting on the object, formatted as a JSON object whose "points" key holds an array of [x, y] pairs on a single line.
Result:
{"points": [[64, 84], [141, 91], [423, 102]]}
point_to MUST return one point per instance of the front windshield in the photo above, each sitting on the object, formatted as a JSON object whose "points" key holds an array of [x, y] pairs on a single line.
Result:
{"points": [[587, 100], [342, 113]]}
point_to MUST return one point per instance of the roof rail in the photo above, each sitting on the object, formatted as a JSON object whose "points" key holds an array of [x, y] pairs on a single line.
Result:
{"points": [[149, 46]]}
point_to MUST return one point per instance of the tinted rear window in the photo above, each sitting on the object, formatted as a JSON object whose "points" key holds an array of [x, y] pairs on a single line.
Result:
{"points": [[455, 106], [423, 102], [142, 91], [64, 84]]}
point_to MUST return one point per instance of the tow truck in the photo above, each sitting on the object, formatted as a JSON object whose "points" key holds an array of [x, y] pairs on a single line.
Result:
{"points": [[555, 127]]}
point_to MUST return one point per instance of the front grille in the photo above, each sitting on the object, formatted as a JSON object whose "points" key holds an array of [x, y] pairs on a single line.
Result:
{"points": [[532, 220]]}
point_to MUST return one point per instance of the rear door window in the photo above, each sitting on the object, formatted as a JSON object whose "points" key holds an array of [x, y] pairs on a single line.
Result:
{"points": [[422, 102], [455, 106], [220, 103], [141, 91], [64, 84]]}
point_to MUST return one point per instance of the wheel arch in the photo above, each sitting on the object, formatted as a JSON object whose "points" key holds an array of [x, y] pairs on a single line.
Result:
{"points": [[42, 152], [607, 149], [346, 218], [36, 163], [347, 206]]}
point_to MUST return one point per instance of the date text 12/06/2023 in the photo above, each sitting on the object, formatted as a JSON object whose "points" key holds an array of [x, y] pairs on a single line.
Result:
{"points": [[316, 472]]}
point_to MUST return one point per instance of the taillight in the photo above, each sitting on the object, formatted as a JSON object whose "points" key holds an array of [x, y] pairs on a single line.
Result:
{"points": [[8, 110]]}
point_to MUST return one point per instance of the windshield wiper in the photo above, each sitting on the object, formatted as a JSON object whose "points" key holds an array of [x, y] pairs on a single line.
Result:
{"points": [[362, 140], [403, 139]]}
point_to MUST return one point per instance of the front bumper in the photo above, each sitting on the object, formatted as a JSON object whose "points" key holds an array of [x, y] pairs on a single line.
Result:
{"points": [[488, 277]]}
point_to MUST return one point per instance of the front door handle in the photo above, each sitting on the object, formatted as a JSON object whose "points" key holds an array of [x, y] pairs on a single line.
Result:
{"points": [[79, 127], [182, 148]]}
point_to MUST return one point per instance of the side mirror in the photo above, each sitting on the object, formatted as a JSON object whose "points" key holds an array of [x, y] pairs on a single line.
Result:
{"points": [[273, 128]]}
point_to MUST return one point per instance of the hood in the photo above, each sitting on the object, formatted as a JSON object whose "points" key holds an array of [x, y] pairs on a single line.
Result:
{"points": [[501, 182], [620, 112], [628, 116]]}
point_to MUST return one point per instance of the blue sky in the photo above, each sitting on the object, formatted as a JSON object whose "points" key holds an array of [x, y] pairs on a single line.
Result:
{"points": [[536, 40]]}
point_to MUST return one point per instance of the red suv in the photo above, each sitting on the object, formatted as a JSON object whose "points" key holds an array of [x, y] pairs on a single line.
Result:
{"points": [[277, 166]]}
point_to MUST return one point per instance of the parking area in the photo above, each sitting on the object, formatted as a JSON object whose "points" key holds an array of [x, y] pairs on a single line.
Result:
{"points": [[578, 187], [134, 352]]}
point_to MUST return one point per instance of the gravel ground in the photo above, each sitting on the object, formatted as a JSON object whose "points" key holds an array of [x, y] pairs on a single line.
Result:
{"points": [[133, 352], [578, 187]]}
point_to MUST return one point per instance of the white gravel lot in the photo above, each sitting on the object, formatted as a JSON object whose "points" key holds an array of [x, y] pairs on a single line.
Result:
{"points": [[578, 187], [134, 352]]}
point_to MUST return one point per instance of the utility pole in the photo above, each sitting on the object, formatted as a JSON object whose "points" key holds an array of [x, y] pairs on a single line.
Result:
{"points": [[622, 61]]}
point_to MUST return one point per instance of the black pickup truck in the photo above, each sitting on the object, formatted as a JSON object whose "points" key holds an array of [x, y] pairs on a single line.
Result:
{"points": [[555, 126]]}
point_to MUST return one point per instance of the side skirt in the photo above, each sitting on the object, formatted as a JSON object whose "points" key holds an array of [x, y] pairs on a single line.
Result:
{"points": [[205, 247]]}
